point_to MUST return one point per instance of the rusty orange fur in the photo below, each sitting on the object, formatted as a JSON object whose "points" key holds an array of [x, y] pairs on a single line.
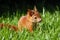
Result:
{"points": [[27, 21]]}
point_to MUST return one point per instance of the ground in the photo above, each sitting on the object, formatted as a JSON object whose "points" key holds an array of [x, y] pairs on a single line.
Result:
{"points": [[49, 28]]}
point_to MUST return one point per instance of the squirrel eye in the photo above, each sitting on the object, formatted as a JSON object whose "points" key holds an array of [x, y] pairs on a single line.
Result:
{"points": [[35, 17]]}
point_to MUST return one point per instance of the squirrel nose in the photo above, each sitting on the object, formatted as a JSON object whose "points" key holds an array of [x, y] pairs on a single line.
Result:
{"points": [[40, 20]]}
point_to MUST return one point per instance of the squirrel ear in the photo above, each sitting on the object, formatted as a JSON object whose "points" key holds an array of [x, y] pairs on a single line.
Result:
{"points": [[30, 12], [35, 9]]}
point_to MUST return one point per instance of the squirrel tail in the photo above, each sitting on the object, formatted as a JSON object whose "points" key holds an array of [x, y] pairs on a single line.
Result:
{"points": [[13, 27]]}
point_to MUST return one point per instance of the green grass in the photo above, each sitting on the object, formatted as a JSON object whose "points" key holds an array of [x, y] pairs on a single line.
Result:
{"points": [[49, 28]]}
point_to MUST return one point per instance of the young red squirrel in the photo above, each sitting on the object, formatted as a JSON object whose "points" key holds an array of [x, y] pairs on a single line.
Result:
{"points": [[27, 21]]}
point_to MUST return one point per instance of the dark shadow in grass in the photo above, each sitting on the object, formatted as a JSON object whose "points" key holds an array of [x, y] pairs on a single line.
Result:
{"points": [[9, 7]]}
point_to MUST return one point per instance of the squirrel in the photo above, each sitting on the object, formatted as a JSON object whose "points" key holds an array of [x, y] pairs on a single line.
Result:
{"points": [[28, 21], [32, 17]]}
